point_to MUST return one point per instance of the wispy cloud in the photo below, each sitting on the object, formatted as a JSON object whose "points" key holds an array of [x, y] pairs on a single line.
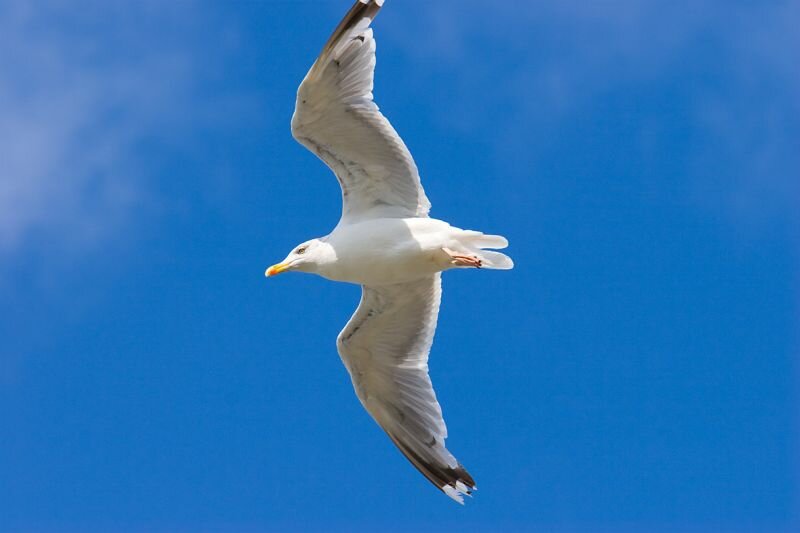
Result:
{"points": [[80, 91]]}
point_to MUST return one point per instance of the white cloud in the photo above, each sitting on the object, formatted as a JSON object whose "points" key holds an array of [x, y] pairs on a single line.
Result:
{"points": [[79, 89]]}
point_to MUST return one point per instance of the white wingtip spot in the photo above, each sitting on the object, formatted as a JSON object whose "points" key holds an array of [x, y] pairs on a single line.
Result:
{"points": [[453, 493], [462, 488]]}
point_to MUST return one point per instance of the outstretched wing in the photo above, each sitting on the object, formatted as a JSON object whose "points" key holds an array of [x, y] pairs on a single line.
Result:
{"points": [[336, 118], [385, 348]]}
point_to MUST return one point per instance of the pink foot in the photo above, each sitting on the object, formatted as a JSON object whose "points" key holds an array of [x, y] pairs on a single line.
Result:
{"points": [[462, 260]]}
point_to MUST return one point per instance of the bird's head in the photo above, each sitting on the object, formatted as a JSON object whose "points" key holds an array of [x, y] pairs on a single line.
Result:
{"points": [[306, 257]]}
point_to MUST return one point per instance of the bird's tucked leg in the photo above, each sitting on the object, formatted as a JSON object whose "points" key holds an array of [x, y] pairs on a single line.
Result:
{"points": [[462, 260]]}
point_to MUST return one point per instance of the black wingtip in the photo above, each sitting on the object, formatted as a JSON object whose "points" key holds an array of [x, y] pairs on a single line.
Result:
{"points": [[360, 10], [454, 482]]}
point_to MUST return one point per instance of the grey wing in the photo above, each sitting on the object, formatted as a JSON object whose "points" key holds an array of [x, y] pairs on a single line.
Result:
{"points": [[385, 348], [336, 118]]}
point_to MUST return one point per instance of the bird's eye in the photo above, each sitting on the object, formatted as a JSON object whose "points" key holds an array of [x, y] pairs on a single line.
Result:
{"points": [[301, 250]]}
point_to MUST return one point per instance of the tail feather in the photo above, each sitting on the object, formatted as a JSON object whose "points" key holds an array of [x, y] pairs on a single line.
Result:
{"points": [[495, 260], [476, 239], [477, 242]]}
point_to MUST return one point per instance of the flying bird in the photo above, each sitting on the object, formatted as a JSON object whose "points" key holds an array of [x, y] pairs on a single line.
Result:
{"points": [[386, 242]]}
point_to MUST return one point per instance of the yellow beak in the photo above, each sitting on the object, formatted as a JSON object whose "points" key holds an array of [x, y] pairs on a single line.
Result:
{"points": [[277, 269]]}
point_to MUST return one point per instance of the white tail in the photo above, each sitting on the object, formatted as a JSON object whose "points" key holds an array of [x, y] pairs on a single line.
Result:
{"points": [[495, 260], [477, 242]]}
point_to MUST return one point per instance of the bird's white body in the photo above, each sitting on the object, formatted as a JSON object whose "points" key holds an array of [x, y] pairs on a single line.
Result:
{"points": [[387, 251], [386, 243]]}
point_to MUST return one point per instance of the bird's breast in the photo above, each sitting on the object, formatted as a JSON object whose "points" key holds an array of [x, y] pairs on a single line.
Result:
{"points": [[382, 252]]}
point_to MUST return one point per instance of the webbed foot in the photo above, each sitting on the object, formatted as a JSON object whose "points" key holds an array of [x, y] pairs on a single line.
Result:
{"points": [[461, 260]]}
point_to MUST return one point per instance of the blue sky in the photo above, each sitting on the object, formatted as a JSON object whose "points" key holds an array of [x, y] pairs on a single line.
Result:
{"points": [[636, 371]]}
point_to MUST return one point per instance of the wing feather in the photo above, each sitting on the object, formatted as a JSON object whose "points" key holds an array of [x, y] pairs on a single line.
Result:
{"points": [[385, 348], [336, 118]]}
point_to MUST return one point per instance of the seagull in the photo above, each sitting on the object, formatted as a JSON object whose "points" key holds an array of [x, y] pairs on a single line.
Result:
{"points": [[386, 242]]}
